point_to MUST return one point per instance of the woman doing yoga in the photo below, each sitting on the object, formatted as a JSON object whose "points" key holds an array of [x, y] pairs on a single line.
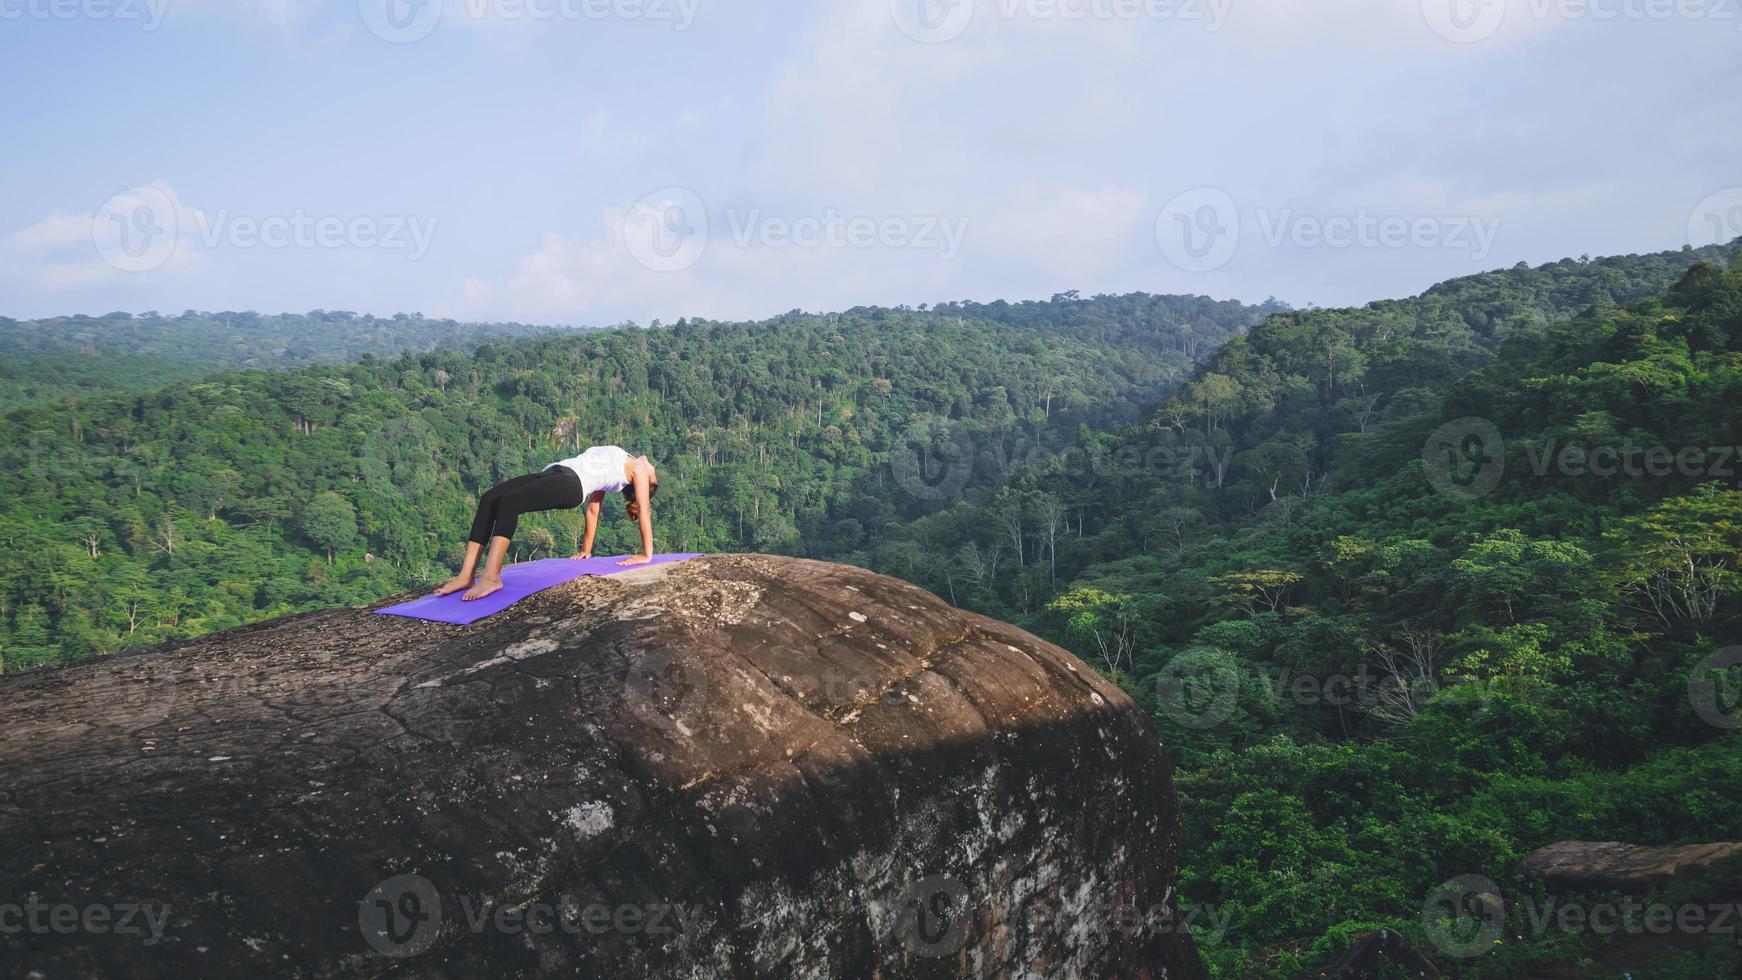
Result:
{"points": [[586, 478]]}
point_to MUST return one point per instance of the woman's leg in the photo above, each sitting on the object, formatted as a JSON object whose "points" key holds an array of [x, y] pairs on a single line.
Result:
{"points": [[490, 506], [482, 521], [554, 489]]}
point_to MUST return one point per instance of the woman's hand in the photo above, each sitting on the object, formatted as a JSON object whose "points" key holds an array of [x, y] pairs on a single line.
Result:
{"points": [[580, 556], [636, 560]]}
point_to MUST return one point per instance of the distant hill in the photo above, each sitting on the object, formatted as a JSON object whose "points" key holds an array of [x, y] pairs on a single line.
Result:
{"points": [[63, 357]]}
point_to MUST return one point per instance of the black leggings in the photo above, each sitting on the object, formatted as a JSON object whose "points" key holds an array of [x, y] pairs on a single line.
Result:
{"points": [[500, 508]]}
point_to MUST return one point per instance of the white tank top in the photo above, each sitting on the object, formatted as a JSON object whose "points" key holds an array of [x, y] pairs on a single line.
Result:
{"points": [[600, 468]]}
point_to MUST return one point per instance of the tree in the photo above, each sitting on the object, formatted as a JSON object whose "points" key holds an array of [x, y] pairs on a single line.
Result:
{"points": [[1678, 560], [1260, 590], [329, 521]]}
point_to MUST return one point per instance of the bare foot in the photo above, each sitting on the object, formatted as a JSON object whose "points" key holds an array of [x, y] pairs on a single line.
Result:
{"points": [[485, 586], [636, 560], [453, 585]]}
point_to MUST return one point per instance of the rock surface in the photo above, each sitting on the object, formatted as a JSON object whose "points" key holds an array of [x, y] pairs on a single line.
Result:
{"points": [[737, 765], [1582, 865]]}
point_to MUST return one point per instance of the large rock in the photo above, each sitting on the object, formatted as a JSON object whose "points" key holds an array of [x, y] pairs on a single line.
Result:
{"points": [[737, 765], [1578, 865]]}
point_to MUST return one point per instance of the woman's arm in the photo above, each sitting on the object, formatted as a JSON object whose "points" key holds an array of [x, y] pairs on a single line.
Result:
{"points": [[592, 526], [643, 504]]}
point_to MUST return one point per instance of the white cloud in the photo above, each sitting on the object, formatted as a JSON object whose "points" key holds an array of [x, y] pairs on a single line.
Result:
{"points": [[595, 278], [67, 250], [57, 231], [601, 138]]}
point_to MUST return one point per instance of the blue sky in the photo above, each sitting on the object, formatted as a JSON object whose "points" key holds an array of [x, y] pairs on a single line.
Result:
{"points": [[594, 161]]}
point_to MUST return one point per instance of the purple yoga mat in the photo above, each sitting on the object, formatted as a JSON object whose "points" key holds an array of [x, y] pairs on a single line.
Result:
{"points": [[518, 582]]}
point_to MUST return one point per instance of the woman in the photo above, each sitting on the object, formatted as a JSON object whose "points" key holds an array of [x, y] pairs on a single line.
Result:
{"points": [[585, 478]]}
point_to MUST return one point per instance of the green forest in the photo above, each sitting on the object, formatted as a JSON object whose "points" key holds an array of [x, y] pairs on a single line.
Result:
{"points": [[1409, 589], [63, 357]]}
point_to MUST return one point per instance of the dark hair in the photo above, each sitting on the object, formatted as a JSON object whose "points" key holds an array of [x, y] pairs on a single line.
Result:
{"points": [[633, 509]]}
